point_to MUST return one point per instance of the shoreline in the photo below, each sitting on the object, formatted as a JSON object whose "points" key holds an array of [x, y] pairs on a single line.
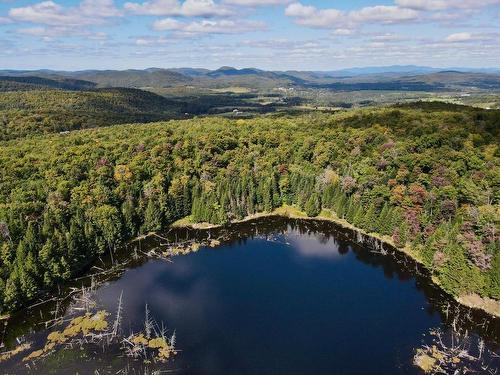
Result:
{"points": [[472, 301]]}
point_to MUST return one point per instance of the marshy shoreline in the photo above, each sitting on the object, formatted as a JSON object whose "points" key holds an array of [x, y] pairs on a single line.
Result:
{"points": [[376, 243], [472, 301]]}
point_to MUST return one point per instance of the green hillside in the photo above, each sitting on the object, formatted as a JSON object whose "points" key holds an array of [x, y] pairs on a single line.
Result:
{"points": [[427, 178], [26, 83], [25, 113], [132, 78]]}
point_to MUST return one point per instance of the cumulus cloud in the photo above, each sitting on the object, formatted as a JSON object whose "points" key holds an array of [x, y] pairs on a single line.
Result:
{"points": [[257, 3], [445, 4], [189, 8], [308, 15], [46, 12], [384, 14], [89, 12], [99, 8], [311, 16], [207, 26]]}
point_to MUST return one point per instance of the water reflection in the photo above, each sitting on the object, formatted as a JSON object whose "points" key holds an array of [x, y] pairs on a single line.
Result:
{"points": [[282, 296], [315, 245]]}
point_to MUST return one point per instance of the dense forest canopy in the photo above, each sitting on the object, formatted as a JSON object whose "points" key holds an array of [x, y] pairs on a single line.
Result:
{"points": [[40, 111], [27, 83], [25, 113], [430, 179]]}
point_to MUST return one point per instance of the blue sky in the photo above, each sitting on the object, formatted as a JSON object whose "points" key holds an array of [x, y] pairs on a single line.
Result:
{"points": [[267, 34]]}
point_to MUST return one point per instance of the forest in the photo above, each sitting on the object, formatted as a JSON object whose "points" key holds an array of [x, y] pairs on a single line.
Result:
{"points": [[27, 113], [39, 111], [426, 175]]}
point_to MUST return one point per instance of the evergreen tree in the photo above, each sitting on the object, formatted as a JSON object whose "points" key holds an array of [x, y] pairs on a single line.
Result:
{"points": [[12, 292], [458, 276], [494, 287], [313, 205], [2, 294], [129, 217], [369, 220], [152, 218], [381, 225]]}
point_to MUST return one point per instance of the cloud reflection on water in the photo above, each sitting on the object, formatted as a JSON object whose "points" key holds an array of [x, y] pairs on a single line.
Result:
{"points": [[314, 245]]}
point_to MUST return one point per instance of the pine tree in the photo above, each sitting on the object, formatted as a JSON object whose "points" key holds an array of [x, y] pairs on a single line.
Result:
{"points": [[381, 225], [389, 222], [129, 217], [328, 196], [358, 216], [351, 209], [369, 220], [152, 218], [47, 252], [12, 295], [401, 236], [313, 205], [458, 276], [340, 206], [267, 197], [494, 287], [2, 295]]}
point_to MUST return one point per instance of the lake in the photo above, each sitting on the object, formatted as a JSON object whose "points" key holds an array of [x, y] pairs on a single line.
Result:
{"points": [[277, 296]]}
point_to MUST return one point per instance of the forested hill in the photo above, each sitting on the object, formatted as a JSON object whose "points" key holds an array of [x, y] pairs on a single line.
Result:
{"points": [[433, 80], [132, 78], [24, 113], [26, 83], [429, 179]]}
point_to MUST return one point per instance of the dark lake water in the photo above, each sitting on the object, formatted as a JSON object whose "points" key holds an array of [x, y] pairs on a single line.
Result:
{"points": [[277, 296]]}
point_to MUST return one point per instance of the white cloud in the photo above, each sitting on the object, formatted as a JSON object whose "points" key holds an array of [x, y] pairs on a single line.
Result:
{"points": [[342, 32], [154, 7], [4, 21], [283, 44], [41, 31], [152, 41], [89, 12], [99, 8], [46, 12], [207, 26], [308, 15], [465, 37], [388, 37], [168, 24], [189, 8], [459, 37], [311, 16], [384, 14], [48, 33], [256, 3], [445, 4], [203, 8]]}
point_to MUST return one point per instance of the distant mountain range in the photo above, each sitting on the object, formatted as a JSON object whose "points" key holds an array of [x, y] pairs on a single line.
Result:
{"points": [[400, 78], [405, 69]]}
